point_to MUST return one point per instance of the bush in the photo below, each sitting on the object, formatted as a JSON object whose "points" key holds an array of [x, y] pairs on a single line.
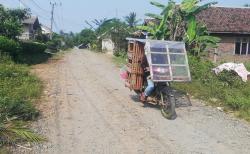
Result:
{"points": [[33, 47], [9, 46], [54, 44], [32, 53]]}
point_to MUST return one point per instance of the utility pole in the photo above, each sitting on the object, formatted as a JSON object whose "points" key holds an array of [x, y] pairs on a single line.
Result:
{"points": [[20, 4], [52, 19]]}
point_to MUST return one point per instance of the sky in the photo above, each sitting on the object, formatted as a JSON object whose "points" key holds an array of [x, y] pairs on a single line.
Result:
{"points": [[70, 15]]}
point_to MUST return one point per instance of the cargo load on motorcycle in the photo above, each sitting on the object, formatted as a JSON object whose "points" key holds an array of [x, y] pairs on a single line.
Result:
{"points": [[152, 65]]}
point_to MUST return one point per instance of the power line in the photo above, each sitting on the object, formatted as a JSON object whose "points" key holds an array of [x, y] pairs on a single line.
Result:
{"points": [[56, 26], [38, 6], [59, 20], [26, 6]]}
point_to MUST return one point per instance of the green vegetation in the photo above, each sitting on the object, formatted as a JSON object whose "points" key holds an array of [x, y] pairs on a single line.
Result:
{"points": [[131, 20], [114, 29], [247, 64], [18, 88], [246, 5], [120, 60], [24, 52], [86, 36], [32, 53], [18, 91], [177, 22], [226, 89], [10, 25]]}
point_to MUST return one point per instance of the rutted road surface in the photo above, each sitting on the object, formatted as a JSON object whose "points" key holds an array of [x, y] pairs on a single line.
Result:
{"points": [[87, 109]]}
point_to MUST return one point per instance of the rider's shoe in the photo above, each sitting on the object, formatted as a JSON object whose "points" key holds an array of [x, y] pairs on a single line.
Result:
{"points": [[143, 98]]}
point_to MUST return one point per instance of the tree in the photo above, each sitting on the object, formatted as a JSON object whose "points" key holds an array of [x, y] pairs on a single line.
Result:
{"points": [[246, 5], [10, 25], [86, 36], [117, 31], [159, 28], [131, 19]]}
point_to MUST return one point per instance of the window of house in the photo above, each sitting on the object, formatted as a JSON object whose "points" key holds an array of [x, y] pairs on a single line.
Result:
{"points": [[242, 46]]}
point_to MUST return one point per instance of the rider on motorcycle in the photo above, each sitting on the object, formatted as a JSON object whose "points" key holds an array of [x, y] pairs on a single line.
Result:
{"points": [[150, 84]]}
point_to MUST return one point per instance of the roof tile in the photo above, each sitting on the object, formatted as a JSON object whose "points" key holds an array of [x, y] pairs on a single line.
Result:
{"points": [[226, 20]]}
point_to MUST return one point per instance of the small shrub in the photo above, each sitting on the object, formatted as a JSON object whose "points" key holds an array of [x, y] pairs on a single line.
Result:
{"points": [[33, 47], [230, 79], [9, 46], [54, 44], [32, 53]]}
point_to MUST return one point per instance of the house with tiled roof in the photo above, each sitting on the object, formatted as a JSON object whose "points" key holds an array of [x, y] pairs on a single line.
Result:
{"points": [[232, 25], [30, 26]]}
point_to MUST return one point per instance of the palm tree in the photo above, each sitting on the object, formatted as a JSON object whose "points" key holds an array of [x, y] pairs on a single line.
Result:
{"points": [[246, 5], [131, 19], [13, 132]]}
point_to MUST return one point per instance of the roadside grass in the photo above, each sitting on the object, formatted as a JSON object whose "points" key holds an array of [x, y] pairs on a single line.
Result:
{"points": [[19, 90], [120, 58], [225, 90], [119, 61], [247, 64]]}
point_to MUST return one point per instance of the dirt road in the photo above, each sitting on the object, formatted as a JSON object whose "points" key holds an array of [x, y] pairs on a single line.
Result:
{"points": [[87, 109]]}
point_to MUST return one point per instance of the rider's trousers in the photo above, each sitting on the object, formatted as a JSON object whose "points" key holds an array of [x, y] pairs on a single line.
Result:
{"points": [[150, 87]]}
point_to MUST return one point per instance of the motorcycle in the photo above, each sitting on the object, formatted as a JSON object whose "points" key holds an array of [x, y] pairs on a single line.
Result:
{"points": [[167, 63]]}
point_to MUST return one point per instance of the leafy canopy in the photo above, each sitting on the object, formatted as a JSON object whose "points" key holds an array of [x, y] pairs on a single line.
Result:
{"points": [[10, 25]]}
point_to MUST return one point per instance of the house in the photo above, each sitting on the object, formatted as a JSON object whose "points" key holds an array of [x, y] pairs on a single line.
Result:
{"points": [[108, 45], [232, 26], [30, 27], [45, 30]]}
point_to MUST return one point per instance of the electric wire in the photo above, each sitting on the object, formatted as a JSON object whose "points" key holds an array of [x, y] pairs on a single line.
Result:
{"points": [[32, 10], [38, 6]]}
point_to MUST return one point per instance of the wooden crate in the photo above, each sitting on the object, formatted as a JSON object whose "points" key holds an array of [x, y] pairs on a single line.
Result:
{"points": [[135, 71]]}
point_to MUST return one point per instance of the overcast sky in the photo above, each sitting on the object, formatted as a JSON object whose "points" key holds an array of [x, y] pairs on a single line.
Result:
{"points": [[71, 14]]}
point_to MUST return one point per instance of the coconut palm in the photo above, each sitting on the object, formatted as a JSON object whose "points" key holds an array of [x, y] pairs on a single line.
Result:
{"points": [[131, 19], [246, 5], [13, 132]]}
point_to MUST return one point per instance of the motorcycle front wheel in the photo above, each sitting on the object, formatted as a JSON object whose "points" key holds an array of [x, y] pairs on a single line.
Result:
{"points": [[168, 105]]}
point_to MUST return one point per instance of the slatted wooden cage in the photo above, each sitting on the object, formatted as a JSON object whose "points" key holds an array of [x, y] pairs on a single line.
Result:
{"points": [[135, 70], [168, 61]]}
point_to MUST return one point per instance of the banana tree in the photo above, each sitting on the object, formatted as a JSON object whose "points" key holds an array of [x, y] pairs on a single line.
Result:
{"points": [[197, 38], [159, 29]]}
